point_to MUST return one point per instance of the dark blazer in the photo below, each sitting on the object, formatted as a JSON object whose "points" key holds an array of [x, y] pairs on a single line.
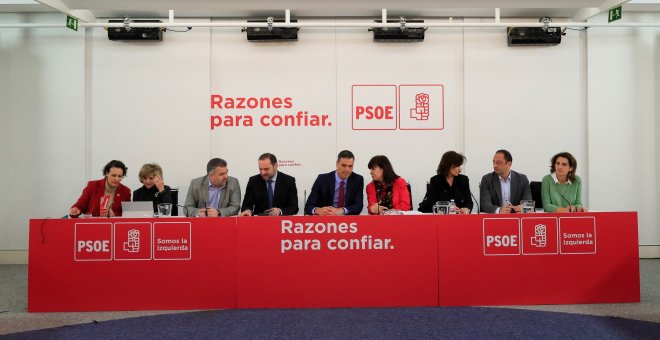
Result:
{"points": [[490, 191], [439, 190], [285, 196], [90, 199], [152, 194], [323, 192]]}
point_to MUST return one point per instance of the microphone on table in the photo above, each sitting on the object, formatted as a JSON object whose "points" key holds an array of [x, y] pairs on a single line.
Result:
{"points": [[570, 206], [185, 208], [476, 202], [206, 213], [377, 198]]}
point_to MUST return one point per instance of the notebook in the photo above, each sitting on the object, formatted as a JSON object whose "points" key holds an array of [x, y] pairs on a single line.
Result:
{"points": [[137, 209]]}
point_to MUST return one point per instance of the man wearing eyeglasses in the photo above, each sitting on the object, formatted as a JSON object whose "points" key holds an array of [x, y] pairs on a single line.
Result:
{"points": [[502, 190]]}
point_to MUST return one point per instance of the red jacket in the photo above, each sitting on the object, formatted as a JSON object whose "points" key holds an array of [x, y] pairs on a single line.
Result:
{"points": [[90, 200], [400, 195]]}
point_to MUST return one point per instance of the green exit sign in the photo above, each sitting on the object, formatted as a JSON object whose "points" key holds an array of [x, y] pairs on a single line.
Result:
{"points": [[72, 22], [614, 14]]}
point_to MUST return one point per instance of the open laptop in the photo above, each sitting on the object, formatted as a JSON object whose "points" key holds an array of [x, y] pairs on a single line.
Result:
{"points": [[137, 209]]}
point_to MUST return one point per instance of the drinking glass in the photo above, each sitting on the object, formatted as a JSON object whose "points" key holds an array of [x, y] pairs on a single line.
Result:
{"points": [[527, 206], [441, 208], [165, 209]]}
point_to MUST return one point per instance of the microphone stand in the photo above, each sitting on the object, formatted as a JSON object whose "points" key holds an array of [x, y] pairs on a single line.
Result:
{"points": [[304, 201], [570, 206], [206, 213], [185, 208], [476, 202], [377, 199]]}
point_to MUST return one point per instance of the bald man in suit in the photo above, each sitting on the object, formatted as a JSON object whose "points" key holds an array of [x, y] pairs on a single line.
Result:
{"points": [[271, 192]]}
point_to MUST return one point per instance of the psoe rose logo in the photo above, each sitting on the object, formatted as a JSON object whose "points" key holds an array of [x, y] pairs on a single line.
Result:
{"points": [[421, 109], [132, 245]]}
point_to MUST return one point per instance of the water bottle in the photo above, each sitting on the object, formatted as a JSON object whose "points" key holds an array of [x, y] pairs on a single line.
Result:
{"points": [[452, 209]]}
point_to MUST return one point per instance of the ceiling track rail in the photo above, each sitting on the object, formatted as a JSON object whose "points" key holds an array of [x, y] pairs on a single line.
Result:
{"points": [[450, 23]]}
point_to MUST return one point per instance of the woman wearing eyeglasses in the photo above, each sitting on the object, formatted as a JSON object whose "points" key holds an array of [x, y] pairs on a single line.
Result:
{"points": [[103, 197]]}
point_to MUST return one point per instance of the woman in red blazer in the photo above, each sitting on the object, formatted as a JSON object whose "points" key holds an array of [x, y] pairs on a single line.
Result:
{"points": [[103, 197], [387, 190]]}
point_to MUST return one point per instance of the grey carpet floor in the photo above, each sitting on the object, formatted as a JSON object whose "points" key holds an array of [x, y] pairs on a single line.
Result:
{"points": [[14, 316]]}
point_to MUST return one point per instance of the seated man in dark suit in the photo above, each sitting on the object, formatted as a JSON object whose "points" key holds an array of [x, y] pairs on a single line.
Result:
{"points": [[271, 192], [502, 190], [338, 192]]}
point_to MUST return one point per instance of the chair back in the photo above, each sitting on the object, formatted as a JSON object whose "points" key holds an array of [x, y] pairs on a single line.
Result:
{"points": [[175, 201], [535, 187]]}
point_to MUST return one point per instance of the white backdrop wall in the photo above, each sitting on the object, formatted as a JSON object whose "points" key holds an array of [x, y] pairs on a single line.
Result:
{"points": [[523, 99], [414, 154], [305, 73], [75, 100], [42, 123], [150, 104], [624, 111], [318, 76]]}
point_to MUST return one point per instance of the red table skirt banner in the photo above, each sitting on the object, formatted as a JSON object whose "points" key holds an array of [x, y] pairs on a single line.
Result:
{"points": [[104, 264], [337, 262], [538, 259], [131, 264]]}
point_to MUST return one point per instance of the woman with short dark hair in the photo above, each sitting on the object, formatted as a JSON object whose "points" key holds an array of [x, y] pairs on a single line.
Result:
{"points": [[449, 184], [387, 190], [103, 197]]}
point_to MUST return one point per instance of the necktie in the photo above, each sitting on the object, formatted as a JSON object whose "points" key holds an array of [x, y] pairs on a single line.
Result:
{"points": [[270, 193], [340, 200]]}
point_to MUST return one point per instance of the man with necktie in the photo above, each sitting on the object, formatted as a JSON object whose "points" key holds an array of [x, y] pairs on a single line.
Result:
{"points": [[271, 192], [338, 192]]}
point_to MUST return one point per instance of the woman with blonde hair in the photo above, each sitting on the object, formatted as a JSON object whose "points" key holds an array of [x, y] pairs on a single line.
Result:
{"points": [[153, 187]]}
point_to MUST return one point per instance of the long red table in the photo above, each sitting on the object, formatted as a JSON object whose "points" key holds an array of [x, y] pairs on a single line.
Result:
{"points": [[102, 264]]}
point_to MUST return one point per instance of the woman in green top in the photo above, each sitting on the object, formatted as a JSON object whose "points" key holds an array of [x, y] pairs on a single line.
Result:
{"points": [[561, 190]]}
